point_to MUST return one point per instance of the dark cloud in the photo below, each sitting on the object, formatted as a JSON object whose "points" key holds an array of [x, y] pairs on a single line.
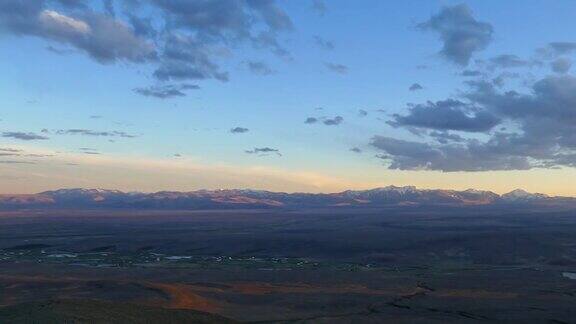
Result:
{"points": [[273, 16], [542, 132], [38, 155], [507, 61], [264, 151], [16, 162], [561, 65], [319, 6], [59, 51], [166, 91], [142, 26], [17, 152], [88, 132], [338, 68], [408, 155], [552, 97], [24, 136], [109, 8], [187, 58], [72, 3], [10, 150], [362, 113], [471, 73], [229, 21], [102, 37], [259, 68], [185, 40], [415, 87], [323, 44], [239, 130], [446, 115], [445, 137], [462, 35], [311, 120], [333, 121], [355, 150], [561, 48], [87, 149]]}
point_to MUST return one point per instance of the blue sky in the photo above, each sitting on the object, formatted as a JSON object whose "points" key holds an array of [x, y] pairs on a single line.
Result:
{"points": [[53, 82]]}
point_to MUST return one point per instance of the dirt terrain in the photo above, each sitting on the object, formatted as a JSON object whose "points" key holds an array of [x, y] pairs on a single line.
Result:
{"points": [[320, 266]]}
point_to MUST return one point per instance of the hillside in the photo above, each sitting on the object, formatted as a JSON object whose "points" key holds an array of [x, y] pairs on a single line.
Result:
{"points": [[96, 312]]}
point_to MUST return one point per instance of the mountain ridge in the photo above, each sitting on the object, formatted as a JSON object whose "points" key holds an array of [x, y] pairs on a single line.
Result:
{"points": [[248, 198]]}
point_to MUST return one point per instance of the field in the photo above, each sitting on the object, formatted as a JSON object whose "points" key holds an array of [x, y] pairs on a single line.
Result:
{"points": [[401, 265]]}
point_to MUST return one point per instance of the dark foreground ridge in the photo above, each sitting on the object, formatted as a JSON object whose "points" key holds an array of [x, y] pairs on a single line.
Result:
{"points": [[92, 311], [237, 198]]}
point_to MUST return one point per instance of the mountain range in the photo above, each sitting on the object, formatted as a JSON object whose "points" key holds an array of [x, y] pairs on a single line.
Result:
{"points": [[244, 198]]}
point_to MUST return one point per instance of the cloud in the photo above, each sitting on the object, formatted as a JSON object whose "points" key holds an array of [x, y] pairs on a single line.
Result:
{"points": [[73, 3], [311, 120], [87, 149], [408, 155], [355, 150], [88, 132], [141, 173], [415, 87], [561, 48], [184, 41], [446, 115], [319, 6], [362, 113], [186, 57], [507, 61], [24, 136], [323, 44], [471, 73], [59, 51], [542, 129], [142, 26], [337, 120], [166, 91], [333, 121], [38, 155], [21, 153], [10, 150], [462, 35], [16, 162], [229, 22], [561, 65], [101, 37], [259, 68], [338, 68], [264, 151], [239, 130], [273, 16], [445, 137]]}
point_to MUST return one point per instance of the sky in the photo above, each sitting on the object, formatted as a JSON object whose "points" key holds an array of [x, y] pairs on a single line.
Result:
{"points": [[305, 95]]}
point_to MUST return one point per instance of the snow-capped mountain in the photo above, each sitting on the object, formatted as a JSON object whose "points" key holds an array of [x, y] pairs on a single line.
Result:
{"points": [[246, 198], [520, 195]]}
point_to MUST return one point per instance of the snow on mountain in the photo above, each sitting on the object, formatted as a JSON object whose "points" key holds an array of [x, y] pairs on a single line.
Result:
{"points": [[247, 198]]}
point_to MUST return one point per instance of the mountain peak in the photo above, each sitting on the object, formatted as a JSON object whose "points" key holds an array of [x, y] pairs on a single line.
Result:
{"points": [[248, 198], [521, 194]]}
